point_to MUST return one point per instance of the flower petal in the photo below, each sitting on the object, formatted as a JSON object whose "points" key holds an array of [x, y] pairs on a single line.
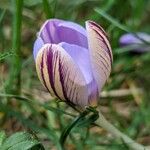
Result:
{"points": [[136, 41], [56, 31], [61, 75], [48, 31], [81, 57], [37, 46], [137, 38], [72, 33], [100, 52]]}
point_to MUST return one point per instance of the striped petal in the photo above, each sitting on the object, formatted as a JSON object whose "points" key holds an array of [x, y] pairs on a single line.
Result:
{"points": [[81, 57], [100, 52], [62, 77]]}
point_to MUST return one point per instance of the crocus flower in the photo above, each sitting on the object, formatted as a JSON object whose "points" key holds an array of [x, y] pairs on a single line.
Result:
{"points": [[72, 62], [138, 42]]}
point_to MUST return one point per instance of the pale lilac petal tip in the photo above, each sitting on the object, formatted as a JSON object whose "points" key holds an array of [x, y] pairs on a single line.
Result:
{"points": [[137, 38], [37, 46], [48, 31], [55, 31], [72, 33], [137, 41], [74, 26]]}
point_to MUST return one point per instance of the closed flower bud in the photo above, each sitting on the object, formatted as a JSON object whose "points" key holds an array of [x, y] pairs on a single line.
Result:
{"points": [[73, 62]]}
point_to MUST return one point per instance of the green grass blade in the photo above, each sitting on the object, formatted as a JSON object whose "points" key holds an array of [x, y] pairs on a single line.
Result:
{"points": [[112, 20], [46, 106], [2, 15], [6, 54], [15, 73], [47, 9], [2, 137]]}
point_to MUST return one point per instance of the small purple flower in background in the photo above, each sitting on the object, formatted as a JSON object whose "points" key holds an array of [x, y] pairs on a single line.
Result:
{"points": [[139, 42], [72, 62]]}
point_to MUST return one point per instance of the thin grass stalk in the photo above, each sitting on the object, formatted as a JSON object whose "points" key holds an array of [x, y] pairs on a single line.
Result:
{"points": [[14, 82], [47, 9]]}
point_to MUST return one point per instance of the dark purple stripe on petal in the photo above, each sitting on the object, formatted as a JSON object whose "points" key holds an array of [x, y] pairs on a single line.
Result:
{"points": [[62, 80], [106, 45], [99, 27], [50, 69], [72, 94], [68, 97], [42, 73], [107, 64], [106, 67]]}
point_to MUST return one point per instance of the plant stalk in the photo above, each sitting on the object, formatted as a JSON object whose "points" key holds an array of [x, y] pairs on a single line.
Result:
{"points": [[118, 134], [14, 82], [47, 9]]}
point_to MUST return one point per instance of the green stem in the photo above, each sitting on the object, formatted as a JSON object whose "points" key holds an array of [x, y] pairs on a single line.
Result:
{"points": [[54, 10], [15, 74], [59, 117], [2, 15], [47, 9], [67, 130], [114, 131]]}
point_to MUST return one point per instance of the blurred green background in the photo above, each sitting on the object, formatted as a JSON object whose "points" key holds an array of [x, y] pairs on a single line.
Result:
{"points": [[125, 99]]}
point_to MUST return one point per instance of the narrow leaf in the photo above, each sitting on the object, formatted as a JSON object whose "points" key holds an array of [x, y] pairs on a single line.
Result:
{"points": [[2, 137], [112, 20], [2, 15], [6, 54]]}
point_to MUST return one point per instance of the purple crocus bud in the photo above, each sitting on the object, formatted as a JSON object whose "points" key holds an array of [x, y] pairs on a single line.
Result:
{"points": [[72, 62], [138, 42]]}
